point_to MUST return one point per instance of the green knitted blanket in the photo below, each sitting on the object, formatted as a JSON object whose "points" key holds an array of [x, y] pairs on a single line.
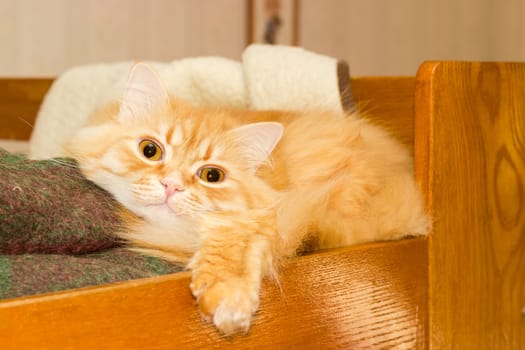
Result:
{"points": [[56, 231]]}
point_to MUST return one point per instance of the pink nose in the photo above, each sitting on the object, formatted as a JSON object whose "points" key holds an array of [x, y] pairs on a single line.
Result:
{"points": [[171, 186]]}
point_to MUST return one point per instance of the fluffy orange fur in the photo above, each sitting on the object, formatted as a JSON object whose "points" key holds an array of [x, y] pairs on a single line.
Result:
{"points": [[286, 178]]}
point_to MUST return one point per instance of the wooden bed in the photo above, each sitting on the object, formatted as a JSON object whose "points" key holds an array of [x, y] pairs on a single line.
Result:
{"points": [[463, 287]]}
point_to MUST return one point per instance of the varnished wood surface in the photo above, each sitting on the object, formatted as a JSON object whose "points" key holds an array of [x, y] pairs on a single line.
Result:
{"points": [[371, 297], [389, 102], [470, 157], [19, 103]]}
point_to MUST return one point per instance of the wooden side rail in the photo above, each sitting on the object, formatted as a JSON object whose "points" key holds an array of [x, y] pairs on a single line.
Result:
{"points": [[363, 297]]}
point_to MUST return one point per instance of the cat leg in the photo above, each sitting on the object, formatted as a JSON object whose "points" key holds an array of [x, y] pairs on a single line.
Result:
{"points": [[227, 271]]}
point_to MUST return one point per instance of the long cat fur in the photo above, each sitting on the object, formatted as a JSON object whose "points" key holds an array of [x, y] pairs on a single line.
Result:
{"points": [[289, 177]]}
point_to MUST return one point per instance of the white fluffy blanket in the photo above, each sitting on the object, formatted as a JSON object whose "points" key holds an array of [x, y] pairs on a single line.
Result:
{"points": [[269, 77]]}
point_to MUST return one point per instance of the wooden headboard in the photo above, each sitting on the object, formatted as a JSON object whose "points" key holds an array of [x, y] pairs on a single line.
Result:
{"points": [[462, 287]]}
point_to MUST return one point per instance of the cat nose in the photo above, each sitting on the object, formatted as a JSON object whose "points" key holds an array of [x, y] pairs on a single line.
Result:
{"points": [[171, 186]]}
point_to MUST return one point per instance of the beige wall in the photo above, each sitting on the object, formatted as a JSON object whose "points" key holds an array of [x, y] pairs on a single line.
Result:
{"points": [[44, 37], [392, 37], [377, 37]]}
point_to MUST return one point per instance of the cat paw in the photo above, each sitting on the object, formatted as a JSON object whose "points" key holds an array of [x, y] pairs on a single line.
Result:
{"points": [[228, 304]]}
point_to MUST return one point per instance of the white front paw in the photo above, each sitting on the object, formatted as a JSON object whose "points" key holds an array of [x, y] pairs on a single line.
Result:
{"points": [[230, 304], [234, 313]]}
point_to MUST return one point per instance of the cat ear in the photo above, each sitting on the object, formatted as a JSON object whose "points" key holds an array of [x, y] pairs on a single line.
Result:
{"points": [[143, 95], [257, 141]]}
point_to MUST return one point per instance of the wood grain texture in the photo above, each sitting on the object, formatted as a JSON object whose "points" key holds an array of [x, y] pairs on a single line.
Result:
{"points": [[19, 103], [388, 102], [470, 158], [371, 296]]}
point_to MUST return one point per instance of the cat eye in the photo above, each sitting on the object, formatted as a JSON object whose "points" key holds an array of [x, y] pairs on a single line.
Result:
{"points": [[211, 174], [150, 149]]}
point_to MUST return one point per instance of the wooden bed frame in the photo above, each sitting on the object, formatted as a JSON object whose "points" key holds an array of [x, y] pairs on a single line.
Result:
{"points": [[462, 287]]}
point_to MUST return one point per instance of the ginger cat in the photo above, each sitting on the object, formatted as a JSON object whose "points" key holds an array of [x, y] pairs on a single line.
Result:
{"points": [[232, 193]]}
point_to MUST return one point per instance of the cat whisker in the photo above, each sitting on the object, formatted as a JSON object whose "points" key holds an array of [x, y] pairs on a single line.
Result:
{"points": [[148, 193], [26, 122], [188, 205], [63, 162], [144, 187]]}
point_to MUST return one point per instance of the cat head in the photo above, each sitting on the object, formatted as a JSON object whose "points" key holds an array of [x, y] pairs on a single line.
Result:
{"points": [[162, 158]]}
